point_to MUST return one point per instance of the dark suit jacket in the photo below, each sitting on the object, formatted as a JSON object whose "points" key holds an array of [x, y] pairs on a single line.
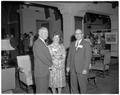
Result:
{"points": [[42, 59], [79, 59]]}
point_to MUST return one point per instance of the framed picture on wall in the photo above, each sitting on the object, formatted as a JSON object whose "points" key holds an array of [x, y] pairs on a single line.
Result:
{"points": [[111, 38]]}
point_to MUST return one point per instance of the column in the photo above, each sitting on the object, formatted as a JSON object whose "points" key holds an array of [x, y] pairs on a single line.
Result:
{"points": [[114, 29], [68, 27]]}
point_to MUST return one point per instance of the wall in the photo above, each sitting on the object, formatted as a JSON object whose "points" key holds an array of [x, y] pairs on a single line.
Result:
{"points": [[115, 28], [29, 17], [68, 11], [79, 9]]}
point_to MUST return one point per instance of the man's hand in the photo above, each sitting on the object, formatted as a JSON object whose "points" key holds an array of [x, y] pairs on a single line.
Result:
{"points": [[68, 69], [84, 72]]}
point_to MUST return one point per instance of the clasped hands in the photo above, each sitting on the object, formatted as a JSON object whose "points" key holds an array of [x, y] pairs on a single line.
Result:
{"points": [[83, 72], [20, 69], [51, 68]]}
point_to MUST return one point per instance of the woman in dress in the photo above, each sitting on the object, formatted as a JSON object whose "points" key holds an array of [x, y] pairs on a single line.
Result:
{"points": [[57, 72]]}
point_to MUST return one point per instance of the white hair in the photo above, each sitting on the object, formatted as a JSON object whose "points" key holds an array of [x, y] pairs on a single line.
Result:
{"points": [[79, 30]]}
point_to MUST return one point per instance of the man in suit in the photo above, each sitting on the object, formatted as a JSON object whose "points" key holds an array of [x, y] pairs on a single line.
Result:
{"points": [[42, 61], [79, 58]]}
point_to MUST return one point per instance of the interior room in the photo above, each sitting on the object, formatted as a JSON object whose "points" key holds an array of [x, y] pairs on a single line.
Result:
{"points": [[21, 21]]}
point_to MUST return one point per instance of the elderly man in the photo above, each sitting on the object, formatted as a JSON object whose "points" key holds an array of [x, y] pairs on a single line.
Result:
{"points": [[42, 61], [79, 58]]}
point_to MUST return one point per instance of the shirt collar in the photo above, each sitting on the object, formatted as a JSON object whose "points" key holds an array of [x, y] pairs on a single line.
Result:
{"points": [[42, 40], [78, 42]]}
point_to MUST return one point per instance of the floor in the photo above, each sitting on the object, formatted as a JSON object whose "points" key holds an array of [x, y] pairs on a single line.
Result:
{"points": [[107, 85]]}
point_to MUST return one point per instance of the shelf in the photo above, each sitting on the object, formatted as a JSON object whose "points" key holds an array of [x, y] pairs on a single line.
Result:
{"points": [[96, 24], [100, 29]]}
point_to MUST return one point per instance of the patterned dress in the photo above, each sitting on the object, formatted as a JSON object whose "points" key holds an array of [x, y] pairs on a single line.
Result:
{"points": [[57, 75]]}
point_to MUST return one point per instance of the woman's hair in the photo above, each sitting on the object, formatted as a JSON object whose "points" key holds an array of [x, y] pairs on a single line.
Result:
{"points": [[60, 37]]}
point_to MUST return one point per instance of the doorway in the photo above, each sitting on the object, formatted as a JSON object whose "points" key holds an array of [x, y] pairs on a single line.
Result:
{"points": [[42, 23], [78, 25], [78, 22]]}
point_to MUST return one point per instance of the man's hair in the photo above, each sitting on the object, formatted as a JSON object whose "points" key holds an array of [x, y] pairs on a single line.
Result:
{"points": [[79, 30], [43, 28]]}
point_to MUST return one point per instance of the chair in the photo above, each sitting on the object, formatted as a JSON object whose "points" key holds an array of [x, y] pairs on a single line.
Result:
{"points": [[25, 71], [102, 64], [91, 76]]}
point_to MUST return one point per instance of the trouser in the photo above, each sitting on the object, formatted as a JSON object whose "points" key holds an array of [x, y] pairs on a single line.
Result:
{"points": [[42, 84], [78, 79]]}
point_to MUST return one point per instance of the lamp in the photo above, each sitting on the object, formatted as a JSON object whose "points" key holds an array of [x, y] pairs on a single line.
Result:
{"points": [[6, 47]]}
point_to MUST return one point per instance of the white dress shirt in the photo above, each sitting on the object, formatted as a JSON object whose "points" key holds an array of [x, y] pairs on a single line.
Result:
{"points": [[78, 42]]}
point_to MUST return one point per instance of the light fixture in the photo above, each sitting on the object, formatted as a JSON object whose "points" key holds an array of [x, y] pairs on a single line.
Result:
{"points": [[5, 47]]}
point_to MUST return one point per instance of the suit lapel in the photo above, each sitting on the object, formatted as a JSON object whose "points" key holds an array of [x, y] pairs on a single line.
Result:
{"points": [[82, 41], [74, 48], [46, 50], [43, 44]]}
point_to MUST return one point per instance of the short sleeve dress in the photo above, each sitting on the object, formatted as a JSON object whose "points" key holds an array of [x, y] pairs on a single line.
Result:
{"points": [[57, 74]]}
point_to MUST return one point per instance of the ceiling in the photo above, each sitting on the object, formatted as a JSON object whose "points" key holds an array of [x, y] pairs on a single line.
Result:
{"points": [[114, 4]]}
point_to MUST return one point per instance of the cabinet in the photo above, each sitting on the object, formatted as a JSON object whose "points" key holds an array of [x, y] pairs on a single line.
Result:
{"points": [[8, 79]]}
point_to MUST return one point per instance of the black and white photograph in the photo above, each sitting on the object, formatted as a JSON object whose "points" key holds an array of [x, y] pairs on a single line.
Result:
{"points": [[60, 47]]}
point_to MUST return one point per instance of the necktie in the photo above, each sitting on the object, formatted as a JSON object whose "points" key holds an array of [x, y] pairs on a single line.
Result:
{"points": [[77, 43]]}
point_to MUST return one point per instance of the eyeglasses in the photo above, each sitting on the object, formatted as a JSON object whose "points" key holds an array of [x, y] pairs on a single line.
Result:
{"points": [[78, 33]]}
